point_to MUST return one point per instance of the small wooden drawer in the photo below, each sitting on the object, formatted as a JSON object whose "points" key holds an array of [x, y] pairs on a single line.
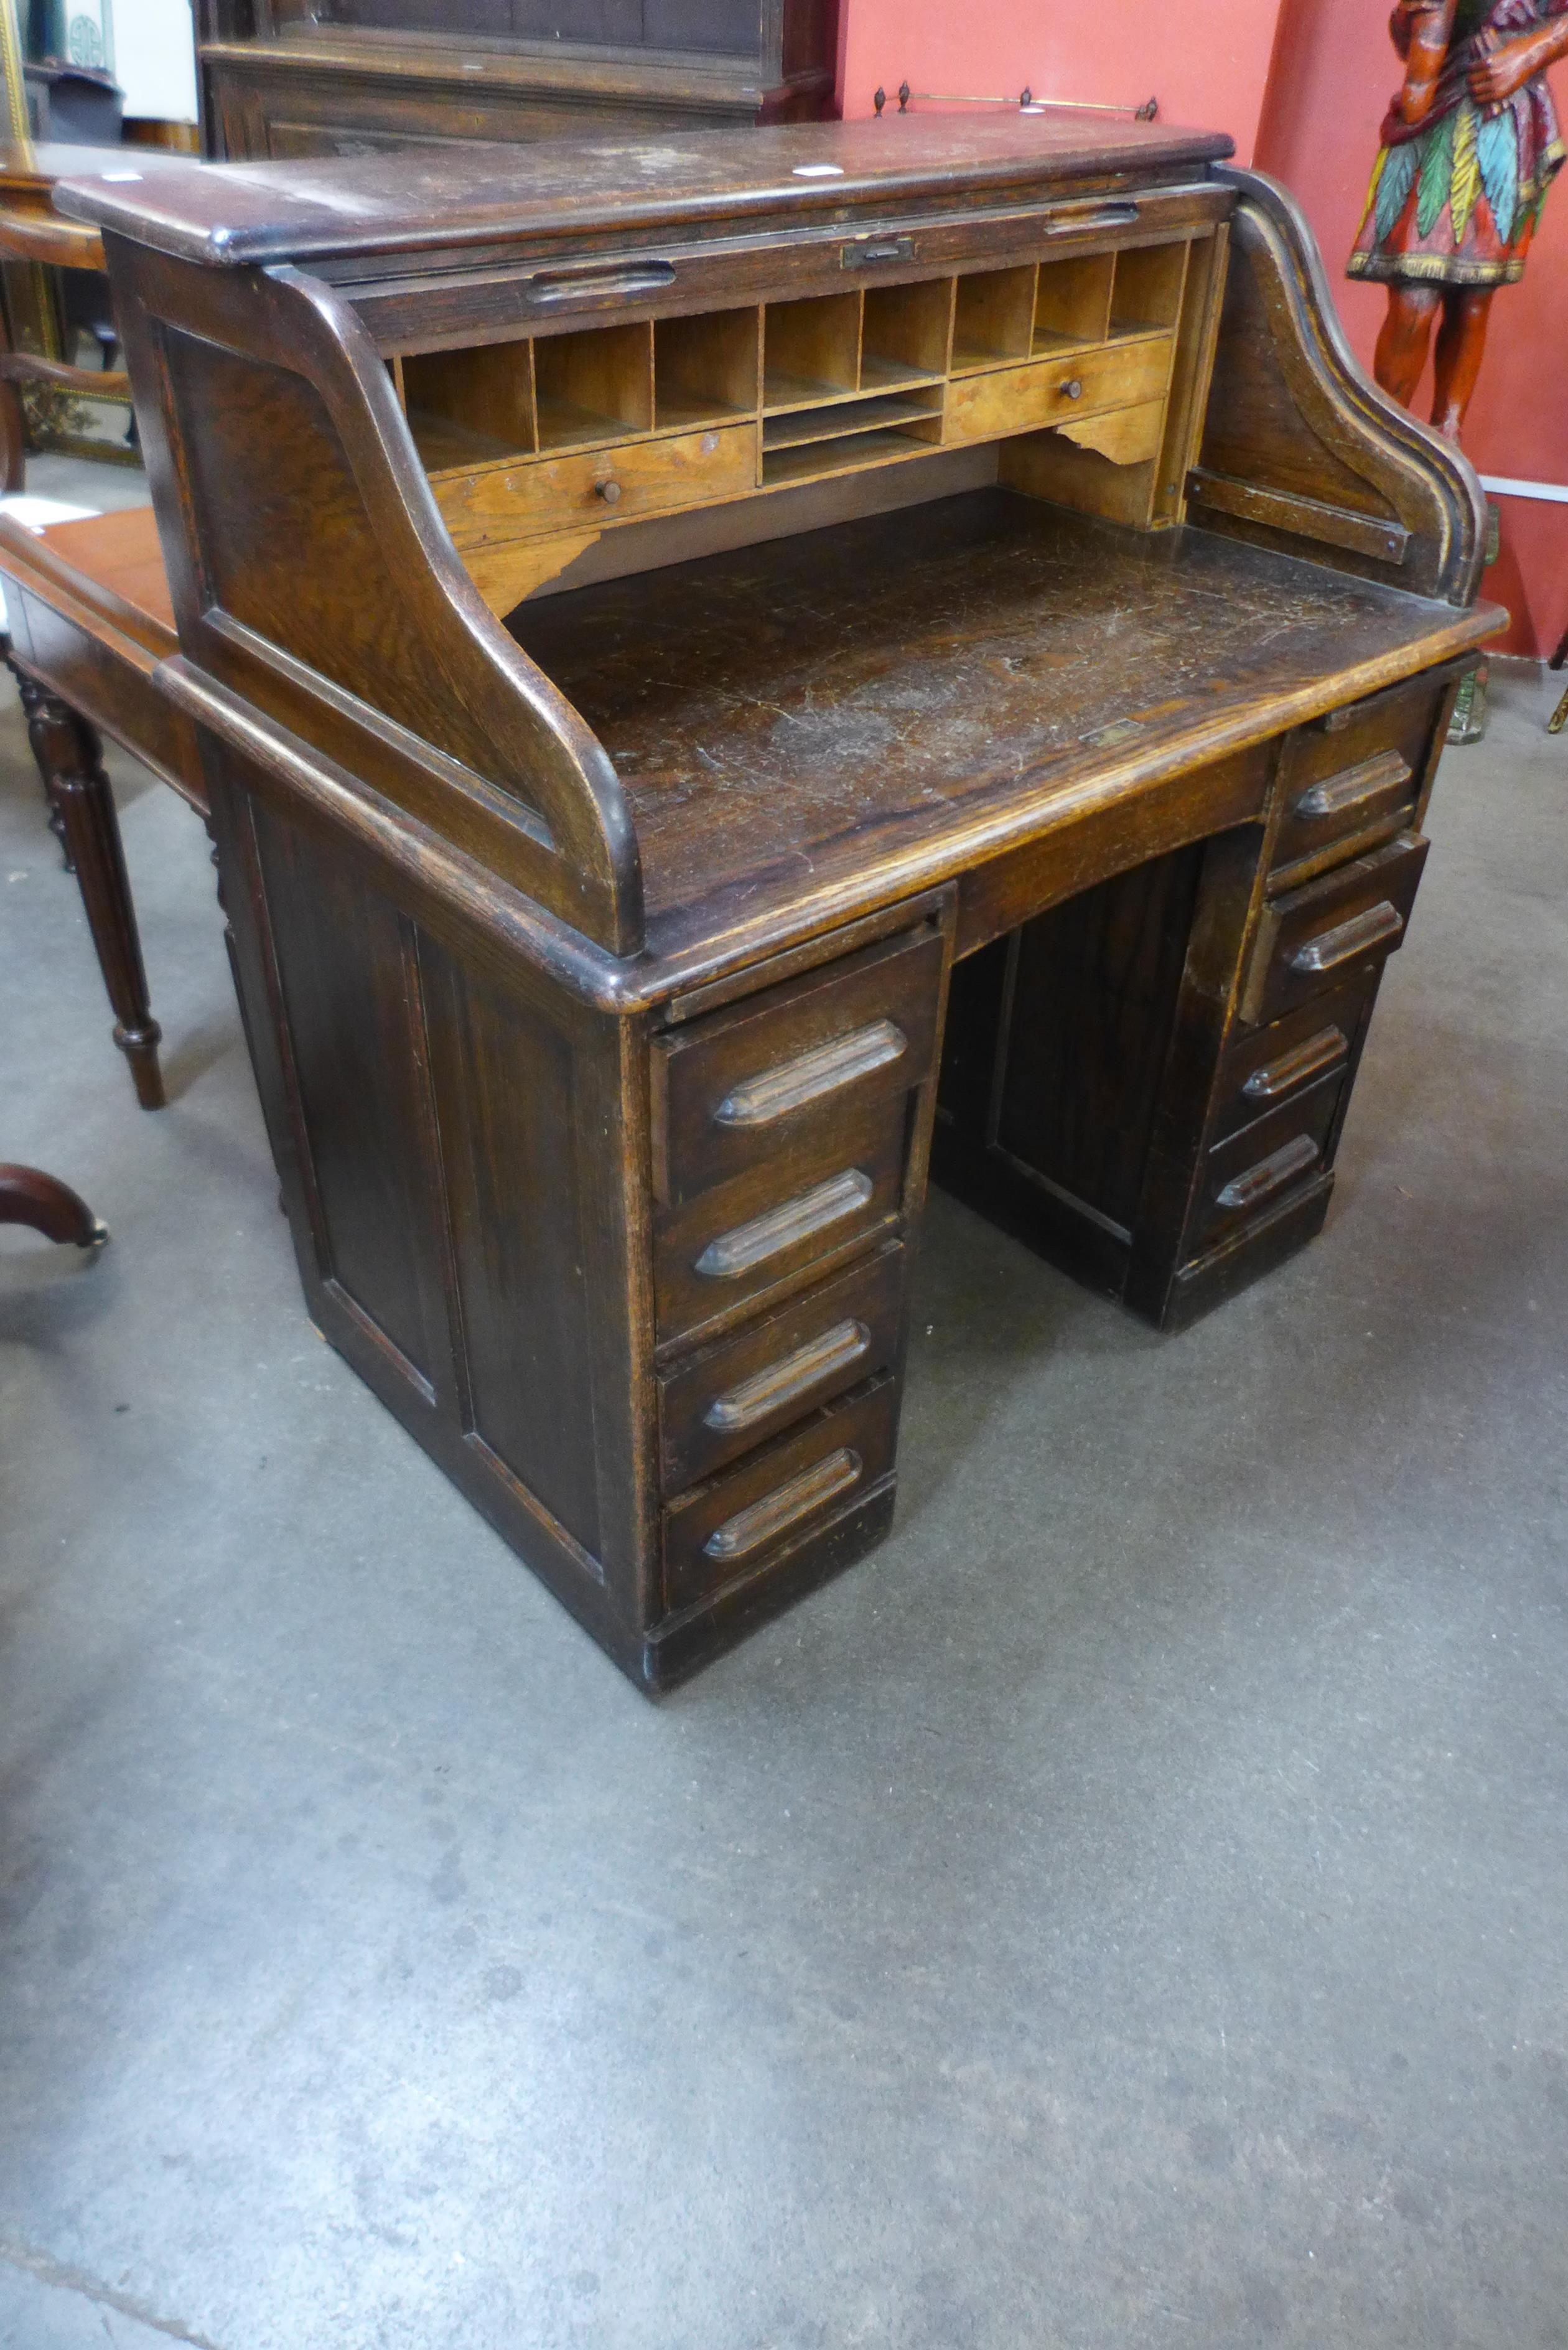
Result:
{"points": [[736, 1241], [1356, 772], [716, 1405], [1332, 930], [1377, 795], [542, 495], [1272, 1066], [787, 1492], [1060, 391], [1260, 1166], [781, 1067]]}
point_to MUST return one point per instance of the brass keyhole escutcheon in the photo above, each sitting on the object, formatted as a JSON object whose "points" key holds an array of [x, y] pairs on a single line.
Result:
{"points": [[609, 491]]}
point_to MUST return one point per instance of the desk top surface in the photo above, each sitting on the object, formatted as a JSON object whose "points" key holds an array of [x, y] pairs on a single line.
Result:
{"points": [[889, 700], [249, 213], [878, 705]]}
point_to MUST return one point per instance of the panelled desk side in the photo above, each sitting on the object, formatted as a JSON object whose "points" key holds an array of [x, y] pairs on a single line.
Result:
{"points": [[984, 657]]}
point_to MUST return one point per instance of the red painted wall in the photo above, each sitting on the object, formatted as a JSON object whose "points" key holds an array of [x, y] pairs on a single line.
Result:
{"points": [[1206, 61], [1334, 73]]}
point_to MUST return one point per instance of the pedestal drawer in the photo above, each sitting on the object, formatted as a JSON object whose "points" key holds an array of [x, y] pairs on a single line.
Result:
{"points": [[720, 1403], [1341, 925], [1272, 1066], [1370, 795], [737, 1240], [1256, 1167], [754, 1515], [765, 1076], [1359, 769]]}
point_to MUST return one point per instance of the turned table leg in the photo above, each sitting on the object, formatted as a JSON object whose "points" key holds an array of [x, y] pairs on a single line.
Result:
{"points": [[69, 759], [29, 1197], [32, 693]]}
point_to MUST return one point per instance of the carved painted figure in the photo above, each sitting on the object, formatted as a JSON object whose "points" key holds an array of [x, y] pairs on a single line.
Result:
{"points": [[1471, 145]]}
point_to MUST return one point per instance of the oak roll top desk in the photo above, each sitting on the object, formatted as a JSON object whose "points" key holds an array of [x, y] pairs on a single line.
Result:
{"points": [[731, 671]]}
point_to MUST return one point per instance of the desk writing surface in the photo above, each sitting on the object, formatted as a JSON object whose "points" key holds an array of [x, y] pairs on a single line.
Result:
{"points": [[923, 687]]}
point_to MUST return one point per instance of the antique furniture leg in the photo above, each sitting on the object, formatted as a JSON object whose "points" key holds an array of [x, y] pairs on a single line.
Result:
{"points": [[48, 1206], [29, 690], [69, 759]]}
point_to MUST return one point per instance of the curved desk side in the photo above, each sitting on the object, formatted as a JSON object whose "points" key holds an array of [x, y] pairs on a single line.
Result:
{"points": [[270, 426]]}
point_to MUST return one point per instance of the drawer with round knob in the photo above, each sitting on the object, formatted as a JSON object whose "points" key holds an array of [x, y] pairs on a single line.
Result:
{"points": [[1059, 391], [539, 495]]}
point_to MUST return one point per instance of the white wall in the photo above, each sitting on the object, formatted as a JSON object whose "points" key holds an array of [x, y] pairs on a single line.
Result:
{"points": [[155, 58]]}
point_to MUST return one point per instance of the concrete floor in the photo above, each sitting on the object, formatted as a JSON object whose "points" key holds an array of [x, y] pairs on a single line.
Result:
{"points": [[1131, 1910]]}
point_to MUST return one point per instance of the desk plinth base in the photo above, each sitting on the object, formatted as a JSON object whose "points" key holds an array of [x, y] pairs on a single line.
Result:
{"points": [[1198, 1288], [682, 1645]]}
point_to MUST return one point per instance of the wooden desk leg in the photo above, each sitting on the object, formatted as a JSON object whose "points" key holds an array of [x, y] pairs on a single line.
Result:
{"points": [[70, 761], [47, 1205]]}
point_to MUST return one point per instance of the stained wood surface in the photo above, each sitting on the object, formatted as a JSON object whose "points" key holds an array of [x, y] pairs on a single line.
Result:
{"points": [[90, 621], [120, 552], [237, 214], [908, 690]]}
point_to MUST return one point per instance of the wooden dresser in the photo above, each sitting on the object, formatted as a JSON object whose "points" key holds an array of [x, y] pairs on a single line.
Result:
{"points": [[348, 77], [975, 656]]}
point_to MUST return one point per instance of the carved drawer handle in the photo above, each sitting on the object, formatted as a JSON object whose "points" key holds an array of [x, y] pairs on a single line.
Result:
{"points": [[1310, 1059], [1369, 781], [1074, 389], [821, 1482], [785, 1382], [783, 1227], [1342, 944], [1270, 1175], [790, 1085]]}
